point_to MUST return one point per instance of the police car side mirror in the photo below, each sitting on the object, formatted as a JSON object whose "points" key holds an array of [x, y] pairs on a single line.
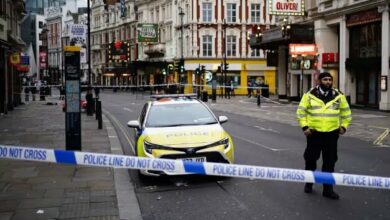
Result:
{"points": [[222, 119], [134, 124]]}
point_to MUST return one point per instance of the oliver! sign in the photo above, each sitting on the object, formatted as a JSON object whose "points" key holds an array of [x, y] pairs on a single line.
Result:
{"points": [[287, 7]]}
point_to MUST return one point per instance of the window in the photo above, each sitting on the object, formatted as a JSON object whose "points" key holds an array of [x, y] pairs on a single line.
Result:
{"points": [[231, 45], [207, 46], [255, 13], [207, 12], [158, 14], [231, 12], [163, 13], [255, 53], [365, 40]]}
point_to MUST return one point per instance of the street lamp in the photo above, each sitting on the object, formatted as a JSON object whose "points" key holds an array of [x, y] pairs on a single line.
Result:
{"points": [[181, 14], [89, 42]]}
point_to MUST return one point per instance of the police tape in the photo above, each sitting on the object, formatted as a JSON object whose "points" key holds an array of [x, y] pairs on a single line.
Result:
{"points": [[185, 167]]}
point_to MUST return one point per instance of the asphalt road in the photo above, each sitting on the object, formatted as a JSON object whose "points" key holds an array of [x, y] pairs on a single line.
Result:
{"points": [[257, 142]]}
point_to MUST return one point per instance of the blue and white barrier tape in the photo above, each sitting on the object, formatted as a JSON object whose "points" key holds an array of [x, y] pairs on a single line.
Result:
{"points": [[184, 167]]}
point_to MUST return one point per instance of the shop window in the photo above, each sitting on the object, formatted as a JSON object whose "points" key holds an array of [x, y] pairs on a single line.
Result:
{"points": [[365, 41]]}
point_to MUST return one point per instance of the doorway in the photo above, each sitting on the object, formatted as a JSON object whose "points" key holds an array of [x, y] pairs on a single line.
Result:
{"points": [[367, 88]]}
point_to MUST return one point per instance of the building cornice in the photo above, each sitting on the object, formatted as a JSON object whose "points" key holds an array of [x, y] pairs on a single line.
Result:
{"points": [[350, 9]]}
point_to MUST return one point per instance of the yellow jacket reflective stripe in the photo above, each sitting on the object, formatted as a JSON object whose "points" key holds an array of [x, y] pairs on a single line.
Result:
{"points": [[315, 114]]}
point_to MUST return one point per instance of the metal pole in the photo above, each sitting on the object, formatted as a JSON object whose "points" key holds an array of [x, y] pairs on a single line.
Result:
{"points": [[224, 58], [301, 78], [89, 42], [182, 33], [182, 46]]}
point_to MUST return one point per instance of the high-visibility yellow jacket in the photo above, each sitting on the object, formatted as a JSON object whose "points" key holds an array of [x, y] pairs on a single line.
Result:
{"points": [[313, 113]]}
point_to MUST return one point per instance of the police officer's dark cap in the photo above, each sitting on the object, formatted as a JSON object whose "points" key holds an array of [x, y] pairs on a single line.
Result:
{"points": [[324, 74]]}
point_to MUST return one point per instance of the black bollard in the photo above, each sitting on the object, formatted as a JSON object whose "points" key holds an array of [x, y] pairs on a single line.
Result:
{"points": [[99, 114], [96, 109], [258, 100]]}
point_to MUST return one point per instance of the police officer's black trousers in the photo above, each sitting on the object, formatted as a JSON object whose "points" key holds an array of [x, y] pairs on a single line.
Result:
{"points": [[325, 143]]}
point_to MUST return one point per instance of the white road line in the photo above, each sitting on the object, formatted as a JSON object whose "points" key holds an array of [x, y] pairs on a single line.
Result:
{"points": [[123, 130], [267, 129], [127, 109], [257, 144]]}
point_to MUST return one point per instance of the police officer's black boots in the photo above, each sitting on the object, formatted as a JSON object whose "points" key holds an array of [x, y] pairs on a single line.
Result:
{"points": [[308, 188], [329, 193]]}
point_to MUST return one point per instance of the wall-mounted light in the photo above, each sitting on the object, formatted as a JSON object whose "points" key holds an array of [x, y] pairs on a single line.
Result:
{"points": [[383, 83]]}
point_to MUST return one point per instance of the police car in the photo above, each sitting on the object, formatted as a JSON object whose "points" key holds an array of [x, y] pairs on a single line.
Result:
{"points": [[180, 127]]}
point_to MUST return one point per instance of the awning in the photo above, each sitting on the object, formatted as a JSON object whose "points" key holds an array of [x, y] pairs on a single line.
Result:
{"points": [[16, 40]]}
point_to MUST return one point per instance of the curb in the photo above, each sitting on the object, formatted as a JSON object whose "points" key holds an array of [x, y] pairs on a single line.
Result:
{"points": [[127, 201]]}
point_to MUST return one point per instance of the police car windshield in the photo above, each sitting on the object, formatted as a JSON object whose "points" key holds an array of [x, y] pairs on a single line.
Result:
{"points": [[183, 114]]}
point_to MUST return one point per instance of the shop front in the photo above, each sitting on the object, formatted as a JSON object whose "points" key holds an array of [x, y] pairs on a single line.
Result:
{"points": [[364, 62], [240, 72], [294, 72]]}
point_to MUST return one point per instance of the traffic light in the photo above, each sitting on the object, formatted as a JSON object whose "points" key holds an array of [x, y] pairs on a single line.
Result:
{"points": [[226, 66], [203, 70], [197, 71], [164, 72], [170, 68], [181, 66]]}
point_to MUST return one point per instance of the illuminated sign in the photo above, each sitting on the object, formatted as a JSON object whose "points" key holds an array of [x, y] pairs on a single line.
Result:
{"points": [[302, 49], [287, 7], [147, 33], [119, 51]]}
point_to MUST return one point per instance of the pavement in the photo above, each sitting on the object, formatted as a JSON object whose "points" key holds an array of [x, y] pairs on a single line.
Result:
{"points": [[32, 190]]}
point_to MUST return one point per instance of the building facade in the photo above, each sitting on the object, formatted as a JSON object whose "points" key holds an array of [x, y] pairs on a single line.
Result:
{"points": [[11, 46], [113, 22], [358, 33], [352, 43], [201, 32]]}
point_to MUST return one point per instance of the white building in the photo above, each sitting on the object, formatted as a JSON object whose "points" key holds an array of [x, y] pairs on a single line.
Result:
{"points": [[55, 23], [112, 22], [358, 31]]}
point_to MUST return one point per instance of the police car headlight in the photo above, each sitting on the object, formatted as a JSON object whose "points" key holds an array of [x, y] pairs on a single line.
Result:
{"points": [[149, 147], [224, 142]]}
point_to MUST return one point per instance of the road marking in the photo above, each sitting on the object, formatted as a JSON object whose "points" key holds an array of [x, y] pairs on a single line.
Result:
{"points": [[112, 136], [267, 129], [123, 130], [369, 116], [381, 137], [127, 109], [257, 144]]}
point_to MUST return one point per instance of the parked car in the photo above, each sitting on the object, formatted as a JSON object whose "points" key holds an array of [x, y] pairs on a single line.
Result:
{"points": [[181, 127]]}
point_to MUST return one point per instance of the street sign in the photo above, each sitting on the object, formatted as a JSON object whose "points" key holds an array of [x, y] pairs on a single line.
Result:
{"points": [[72, 98]]}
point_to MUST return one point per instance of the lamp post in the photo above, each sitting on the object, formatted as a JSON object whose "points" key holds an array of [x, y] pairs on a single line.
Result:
{"points": [[89, 42], [181, 14], [224, 58]]}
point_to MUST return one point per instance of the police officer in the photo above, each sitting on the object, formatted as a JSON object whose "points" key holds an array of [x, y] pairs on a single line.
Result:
{"points": [[323, 114]]}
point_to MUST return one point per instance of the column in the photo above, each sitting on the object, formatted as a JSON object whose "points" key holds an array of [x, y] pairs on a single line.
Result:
{"points": [[281, 72], [384, 103], [344, 54]]}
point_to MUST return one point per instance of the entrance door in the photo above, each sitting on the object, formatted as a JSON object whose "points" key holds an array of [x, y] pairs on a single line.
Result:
{"points": [[367, 88]]}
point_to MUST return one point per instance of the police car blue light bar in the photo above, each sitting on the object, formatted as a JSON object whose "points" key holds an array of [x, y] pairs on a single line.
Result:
{"points": [[185, 167]]}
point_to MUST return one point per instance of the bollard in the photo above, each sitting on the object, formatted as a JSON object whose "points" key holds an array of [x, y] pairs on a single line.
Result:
{"points": [[96, 109], [258, 100], [99, 114]]}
